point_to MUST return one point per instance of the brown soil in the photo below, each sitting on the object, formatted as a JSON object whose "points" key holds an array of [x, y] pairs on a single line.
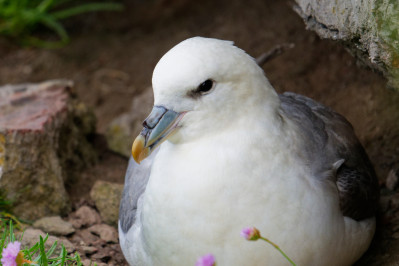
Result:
{"points": [[112, 56]]}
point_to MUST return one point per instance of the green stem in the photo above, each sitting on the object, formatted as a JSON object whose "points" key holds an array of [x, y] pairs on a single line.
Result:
{"points": [[279, 249]]}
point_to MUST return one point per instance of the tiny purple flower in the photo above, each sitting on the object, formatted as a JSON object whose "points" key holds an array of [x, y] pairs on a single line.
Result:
{"points": [[10, 254], [250, 233], [207, 260]]}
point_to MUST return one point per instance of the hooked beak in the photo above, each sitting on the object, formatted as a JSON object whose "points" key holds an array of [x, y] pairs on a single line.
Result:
{"points": [[157, 128]]}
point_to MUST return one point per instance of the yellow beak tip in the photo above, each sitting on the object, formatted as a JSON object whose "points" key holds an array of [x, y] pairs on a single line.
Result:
{"points": [[138, 149]]}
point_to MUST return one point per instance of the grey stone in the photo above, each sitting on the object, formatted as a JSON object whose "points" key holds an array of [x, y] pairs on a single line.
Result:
{"points": [[104, 254], [31, 237], [89, 250], [85, 216], [43, 142], [106, 196], [106, 232], [87, 262], [76, 223], [368, 27], [54, 225], [122, 130], [87, 237], [392, 180]]}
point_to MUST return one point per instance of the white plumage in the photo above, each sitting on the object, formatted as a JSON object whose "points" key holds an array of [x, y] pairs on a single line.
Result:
{"points": [[241, 156]]}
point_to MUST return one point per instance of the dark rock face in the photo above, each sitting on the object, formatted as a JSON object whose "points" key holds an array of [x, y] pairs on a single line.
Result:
{"points": [[44, 140]]}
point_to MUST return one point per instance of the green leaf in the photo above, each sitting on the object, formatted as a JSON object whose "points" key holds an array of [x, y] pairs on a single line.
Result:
{"points": [[18, 19], [22, 235], [12, 236], [77, 259], [63, 255], [42, 253], [50, 22], [45, 5], [52, 248], [34, 248]]}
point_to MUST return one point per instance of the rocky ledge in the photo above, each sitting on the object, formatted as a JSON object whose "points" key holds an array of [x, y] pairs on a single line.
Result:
{"points": [[45, 138]]}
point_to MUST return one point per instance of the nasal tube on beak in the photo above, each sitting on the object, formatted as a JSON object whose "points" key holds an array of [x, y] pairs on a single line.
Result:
{"points": [[157, 127]]}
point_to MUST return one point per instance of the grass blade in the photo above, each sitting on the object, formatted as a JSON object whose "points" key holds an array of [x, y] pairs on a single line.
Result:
{"points": [[63, 255], [51, 250], [3, 238], [12, 236], [50, 22], [45, 5], [43, 256]]}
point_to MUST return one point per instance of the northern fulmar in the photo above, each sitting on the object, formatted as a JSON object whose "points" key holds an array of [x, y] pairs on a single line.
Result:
{"points": [[221, 150]]}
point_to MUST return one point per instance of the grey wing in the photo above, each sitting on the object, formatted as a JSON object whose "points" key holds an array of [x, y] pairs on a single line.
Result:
{"points": [[329, 138], [136, 180]]}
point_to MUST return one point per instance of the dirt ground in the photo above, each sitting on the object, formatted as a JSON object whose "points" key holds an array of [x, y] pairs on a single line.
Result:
{"points": [[111, 58]]}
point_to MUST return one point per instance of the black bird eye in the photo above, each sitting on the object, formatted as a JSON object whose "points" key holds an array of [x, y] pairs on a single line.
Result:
{"points": [[205, 86], [202, 89]]}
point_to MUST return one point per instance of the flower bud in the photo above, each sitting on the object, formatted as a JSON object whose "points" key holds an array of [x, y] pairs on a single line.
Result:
{"points": [[207, 260], [250, 233]]}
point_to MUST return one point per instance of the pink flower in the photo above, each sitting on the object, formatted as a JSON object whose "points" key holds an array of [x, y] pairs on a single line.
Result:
{"points": [[10, 254], [250, 233], [207, 260]]}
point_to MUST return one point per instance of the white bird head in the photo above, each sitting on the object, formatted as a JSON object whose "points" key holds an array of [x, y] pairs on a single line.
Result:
{"points": [[201, 85]]}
